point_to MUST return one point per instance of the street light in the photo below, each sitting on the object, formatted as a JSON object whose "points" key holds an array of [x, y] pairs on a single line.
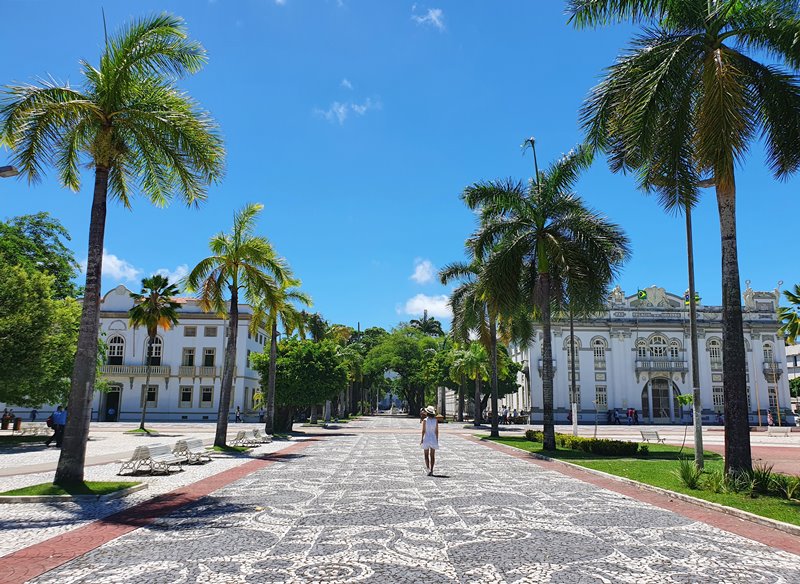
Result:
{"points": [[8, 171]]}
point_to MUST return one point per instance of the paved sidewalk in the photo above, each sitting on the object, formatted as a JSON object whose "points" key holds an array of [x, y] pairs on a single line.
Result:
{"points": [[358, 507]]}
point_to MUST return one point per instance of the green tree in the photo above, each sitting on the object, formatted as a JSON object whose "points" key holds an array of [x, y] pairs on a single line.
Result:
{"points": [[308, 373], [790, 315], [138, 132], [794, 387], [701, 82], [316, 326], [278, 308], [38, 242], [429, 326], [472, 362], [153, 308], [534, 237], [243, 266]]}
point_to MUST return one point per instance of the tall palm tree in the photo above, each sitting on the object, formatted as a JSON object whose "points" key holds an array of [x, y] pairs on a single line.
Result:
{"points": [[475, 311], [472, 362], [537, 235], [429, 326], [790, 315], [700, 83], [139, 133], [244, 266], [270, 311], [153, 308], [316, 326]]}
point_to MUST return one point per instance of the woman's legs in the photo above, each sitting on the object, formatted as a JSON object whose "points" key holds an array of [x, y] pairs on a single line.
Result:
{"points": [[433, 458], [427, 459]]}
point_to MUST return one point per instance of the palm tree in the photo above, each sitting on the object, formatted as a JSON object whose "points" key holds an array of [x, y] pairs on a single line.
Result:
{"points": [[537, 236], [790, 315], [139, 133], [474, 311], [700, 83], [153, 308], [472, 363], [429, 326], [316, 326], [278, 307], [244, 266]]}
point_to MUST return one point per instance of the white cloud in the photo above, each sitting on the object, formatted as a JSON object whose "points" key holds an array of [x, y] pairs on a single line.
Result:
{"points": [[424, 271], [339, 112], [433, 17], [176, 275], [346, 84], [116, 268], [437, 306]]}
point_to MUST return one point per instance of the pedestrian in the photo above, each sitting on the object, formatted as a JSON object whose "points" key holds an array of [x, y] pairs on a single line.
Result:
{"points": [[261, 415], [770, 420], [423, 415], [238, 414], [430, 438], [636, 417], [59, 421], [34, 413], [629, 413]]}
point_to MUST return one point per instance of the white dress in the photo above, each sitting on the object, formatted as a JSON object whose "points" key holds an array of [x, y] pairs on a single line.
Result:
{"points": [[429, 440]]}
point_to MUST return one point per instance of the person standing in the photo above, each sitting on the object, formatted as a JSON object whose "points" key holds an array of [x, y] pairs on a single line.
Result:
{"points": [[238, 414], [34, 413], [59, 421], [261, 415], [430, 438]]}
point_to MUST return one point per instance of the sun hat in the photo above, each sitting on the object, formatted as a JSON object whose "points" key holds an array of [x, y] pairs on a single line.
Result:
{"points": [[431, 410]]}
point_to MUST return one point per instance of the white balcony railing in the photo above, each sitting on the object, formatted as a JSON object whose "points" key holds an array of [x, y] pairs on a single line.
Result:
{"points": [[661, 365], [135, 370]]}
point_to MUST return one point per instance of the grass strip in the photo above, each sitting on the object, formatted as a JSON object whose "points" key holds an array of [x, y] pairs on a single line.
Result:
{"points": [[658, 469], [87, 488], [230, 448], [140, 431]]}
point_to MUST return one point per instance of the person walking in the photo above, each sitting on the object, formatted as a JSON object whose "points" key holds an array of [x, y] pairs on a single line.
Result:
{"points": [[238, 414], [34, 413], [59, 421], [430, 438], [261, 415]]}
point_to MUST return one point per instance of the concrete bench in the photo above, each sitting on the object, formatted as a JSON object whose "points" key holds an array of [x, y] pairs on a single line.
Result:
{"points": [[242, 439], [648, 435], [261, 438], [156, 458], [191, 450], [778, 430]]}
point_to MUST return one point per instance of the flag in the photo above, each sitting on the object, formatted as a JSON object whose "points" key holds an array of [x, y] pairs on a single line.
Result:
{"points": [[642, 295]]}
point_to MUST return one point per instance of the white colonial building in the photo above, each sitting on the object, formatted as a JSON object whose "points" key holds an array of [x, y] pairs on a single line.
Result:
{"points": [[186, 370], [637, 353]]}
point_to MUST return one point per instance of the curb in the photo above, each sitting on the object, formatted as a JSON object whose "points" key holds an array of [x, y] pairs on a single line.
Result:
{"points": [[72, 498], [738, 513]]}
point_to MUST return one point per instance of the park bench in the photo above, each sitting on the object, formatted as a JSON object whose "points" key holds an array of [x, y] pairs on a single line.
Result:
{"points": [[261, 438], [778, 431], [242, 439], [648, 435], [191, 450], [34, 429], [156, 458]]}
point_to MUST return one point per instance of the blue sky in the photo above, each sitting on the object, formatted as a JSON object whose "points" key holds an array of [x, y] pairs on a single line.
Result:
{"points": [[357, 124]]}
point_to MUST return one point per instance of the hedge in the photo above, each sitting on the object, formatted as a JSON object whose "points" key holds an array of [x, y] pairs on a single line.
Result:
{"points": [[601, 446]]}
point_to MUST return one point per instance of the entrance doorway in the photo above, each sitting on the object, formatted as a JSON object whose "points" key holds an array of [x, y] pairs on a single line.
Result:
{"points": [[661, 408], [110, 409]]}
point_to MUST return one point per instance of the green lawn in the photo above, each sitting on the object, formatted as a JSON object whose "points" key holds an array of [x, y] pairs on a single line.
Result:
{"points": [[87, 488], [140, 431], [658, 468], [230, 448], [12, 440]]}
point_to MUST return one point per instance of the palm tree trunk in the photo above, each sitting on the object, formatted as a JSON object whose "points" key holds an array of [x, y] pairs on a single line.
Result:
{"points": [[573, 387], [269, 423], [478, 417], [314, 414], [737, 426], [696, 399], [224, 409], [76, 432], [461, 397], [547, 366], [148, 359], [493, 350]]}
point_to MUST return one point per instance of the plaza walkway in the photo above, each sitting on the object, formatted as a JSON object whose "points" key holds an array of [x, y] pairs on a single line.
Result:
{"points": [[357, 506]]}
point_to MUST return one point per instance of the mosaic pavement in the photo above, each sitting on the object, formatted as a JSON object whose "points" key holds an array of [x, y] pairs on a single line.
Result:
{"points": [[358, 507]]}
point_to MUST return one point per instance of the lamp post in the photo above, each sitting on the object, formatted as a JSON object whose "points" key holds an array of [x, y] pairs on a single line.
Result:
{"points": [[8, 171]]}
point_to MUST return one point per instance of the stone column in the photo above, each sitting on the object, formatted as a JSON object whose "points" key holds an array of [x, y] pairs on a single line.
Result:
{"points": [[649, 399], [671, 401]]}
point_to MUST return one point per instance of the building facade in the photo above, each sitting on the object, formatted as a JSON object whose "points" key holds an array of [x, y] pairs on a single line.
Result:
{"points": [[637, 354], [186, 365]]}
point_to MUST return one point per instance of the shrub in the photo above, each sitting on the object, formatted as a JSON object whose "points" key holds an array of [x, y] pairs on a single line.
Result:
{"points": [[599, 446], [644, 450], [715, 481], [761, 478], [786, 485], [534, 435], [737, 482], [688, 473]]}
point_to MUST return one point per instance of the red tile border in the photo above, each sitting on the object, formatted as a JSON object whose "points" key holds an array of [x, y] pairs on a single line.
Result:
{"points": [[27, 563], [760, 533]]}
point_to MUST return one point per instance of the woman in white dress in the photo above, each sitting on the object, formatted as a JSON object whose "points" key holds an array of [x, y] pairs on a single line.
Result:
{"points": [[430, 438]]}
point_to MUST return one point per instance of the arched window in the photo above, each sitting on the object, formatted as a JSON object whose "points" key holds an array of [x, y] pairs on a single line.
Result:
{"points": [[714, 348], [115, 354], [674, 350], [599, 351], [155, 352], [658, 347], [577, 343], [641, 349], [769, 353]]}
